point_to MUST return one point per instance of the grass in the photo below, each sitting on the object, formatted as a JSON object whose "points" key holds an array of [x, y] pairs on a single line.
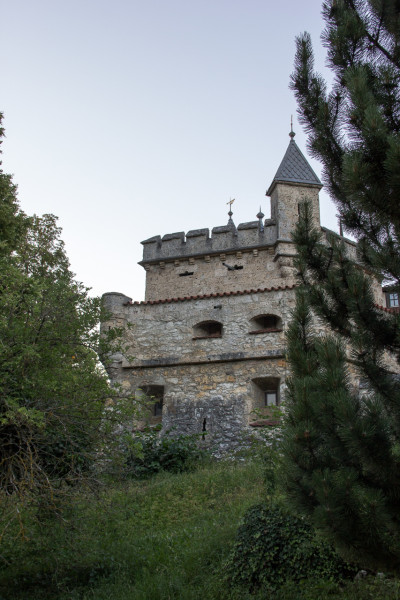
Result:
{"points": [[158, 539], [162, 539]]}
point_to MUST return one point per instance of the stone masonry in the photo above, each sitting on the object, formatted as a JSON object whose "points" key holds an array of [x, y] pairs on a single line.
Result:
{"points": [[208, 341]]}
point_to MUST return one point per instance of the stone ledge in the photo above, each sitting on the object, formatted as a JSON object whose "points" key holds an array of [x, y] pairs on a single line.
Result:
{"points": [[211, 359], [268, 330], [265, 423]]}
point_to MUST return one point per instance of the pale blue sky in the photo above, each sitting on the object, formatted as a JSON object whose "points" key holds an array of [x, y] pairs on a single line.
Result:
{"points": [[130, 119]]}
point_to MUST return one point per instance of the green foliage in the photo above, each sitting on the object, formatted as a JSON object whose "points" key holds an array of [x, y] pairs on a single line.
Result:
{"points": [[342, 465], [53, 390], [13, 222], [147, 453], [52, 386], [162, 538], [274, 546], [372, 588], [150, 540]]}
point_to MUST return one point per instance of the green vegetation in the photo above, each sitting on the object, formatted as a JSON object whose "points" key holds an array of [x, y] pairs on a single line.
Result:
{"points": [[174, 536], [53, 390], [146, 453], [157, 539], [274, 546], [342, 443]]}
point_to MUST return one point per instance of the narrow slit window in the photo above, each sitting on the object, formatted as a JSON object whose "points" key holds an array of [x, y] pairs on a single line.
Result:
{"points": [[186, 274]]}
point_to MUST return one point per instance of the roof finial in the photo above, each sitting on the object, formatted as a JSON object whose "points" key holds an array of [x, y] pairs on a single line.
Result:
{"points": [[260, 217], [292, 133], [230, 213]]}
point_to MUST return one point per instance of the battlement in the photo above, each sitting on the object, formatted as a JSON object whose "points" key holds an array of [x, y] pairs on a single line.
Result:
{"points": [[198, 242]]}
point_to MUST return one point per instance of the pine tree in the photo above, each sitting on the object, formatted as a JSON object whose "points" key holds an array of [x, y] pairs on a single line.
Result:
{"points": [[342, 443]]}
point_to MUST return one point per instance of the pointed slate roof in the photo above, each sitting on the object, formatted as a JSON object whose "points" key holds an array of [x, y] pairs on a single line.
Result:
{"points": [[294, 168]]}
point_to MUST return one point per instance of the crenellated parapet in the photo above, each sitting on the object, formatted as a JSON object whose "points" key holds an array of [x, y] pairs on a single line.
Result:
{"points": [[199, 242]]}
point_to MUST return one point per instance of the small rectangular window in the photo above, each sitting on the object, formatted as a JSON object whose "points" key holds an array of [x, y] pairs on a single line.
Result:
{"points": [[271, 398], [393, 300]]}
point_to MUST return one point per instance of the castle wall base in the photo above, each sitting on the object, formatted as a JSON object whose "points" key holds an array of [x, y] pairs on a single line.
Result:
{"points": [[214, 401]]}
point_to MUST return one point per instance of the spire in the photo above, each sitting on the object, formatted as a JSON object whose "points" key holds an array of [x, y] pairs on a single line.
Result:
{"points": [[260, 217], [292, 133], [294, 168]]}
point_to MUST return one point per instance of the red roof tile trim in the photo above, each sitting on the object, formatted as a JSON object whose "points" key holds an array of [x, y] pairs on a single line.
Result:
{"points": [[215, 295], [393, 310]]}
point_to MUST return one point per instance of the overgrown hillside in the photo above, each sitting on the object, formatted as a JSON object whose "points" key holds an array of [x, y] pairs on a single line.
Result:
{"points": [[155, 539], [168, 537]]}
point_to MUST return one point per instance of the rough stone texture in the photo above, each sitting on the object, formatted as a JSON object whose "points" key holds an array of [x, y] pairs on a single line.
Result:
{"points": [[210, 275], [222, 393], [285, 201], [163, 333], [198, 242]]}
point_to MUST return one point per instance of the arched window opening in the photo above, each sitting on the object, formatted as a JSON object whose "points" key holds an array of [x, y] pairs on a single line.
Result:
{"points": [[207, 329], [265, 324]]}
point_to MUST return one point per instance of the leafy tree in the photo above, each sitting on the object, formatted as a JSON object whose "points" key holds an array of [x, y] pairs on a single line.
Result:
{"points": [[12, 220], [53, 390], [342, 443]]}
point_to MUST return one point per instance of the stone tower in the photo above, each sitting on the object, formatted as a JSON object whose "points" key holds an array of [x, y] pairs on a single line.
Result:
{"points": [[208, 341]]}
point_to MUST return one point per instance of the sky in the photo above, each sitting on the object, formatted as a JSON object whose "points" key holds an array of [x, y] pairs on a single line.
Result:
{"points": [[129, 119]]}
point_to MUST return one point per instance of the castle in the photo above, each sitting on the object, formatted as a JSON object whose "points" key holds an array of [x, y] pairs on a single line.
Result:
{"points": [[208, 341]]}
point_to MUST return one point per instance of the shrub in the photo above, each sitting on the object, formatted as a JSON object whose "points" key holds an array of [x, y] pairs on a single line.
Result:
{"points": [[274, 546], [149, 453]]}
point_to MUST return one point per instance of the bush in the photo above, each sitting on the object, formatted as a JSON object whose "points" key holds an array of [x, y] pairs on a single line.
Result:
{"points": [[274, 546], [148, 453]]}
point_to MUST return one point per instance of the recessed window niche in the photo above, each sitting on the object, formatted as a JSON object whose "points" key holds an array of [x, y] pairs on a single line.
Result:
{"points": [[265, 324], [207, 329]]}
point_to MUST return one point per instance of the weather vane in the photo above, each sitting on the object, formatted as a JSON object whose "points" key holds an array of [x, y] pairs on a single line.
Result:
{"points": [[231, 201], [292, 133]]}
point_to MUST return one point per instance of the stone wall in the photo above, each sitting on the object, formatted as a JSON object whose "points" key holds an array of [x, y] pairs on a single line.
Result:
{"points": [[208, 274], [163, 333], [214, 400], [207, 382]]}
